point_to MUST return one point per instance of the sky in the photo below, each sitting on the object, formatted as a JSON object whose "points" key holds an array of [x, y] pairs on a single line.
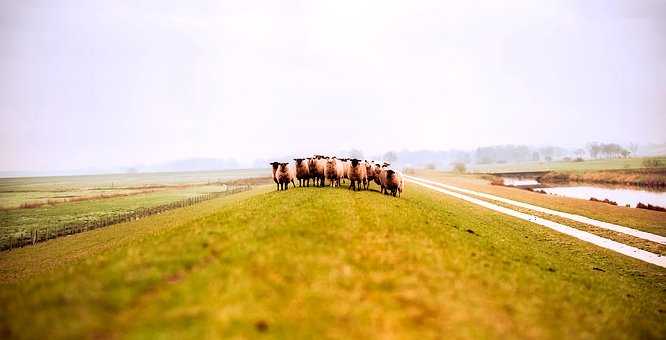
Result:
{"points": [[95, 84]]}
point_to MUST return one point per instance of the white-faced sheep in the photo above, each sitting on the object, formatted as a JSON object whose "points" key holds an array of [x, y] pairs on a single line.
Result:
{"points": [[302, 172], [285, 175], [357, 174]]}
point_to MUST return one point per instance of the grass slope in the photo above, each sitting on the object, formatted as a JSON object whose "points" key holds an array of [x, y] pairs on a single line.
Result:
{"points": [[313, 263], [642, 219]]}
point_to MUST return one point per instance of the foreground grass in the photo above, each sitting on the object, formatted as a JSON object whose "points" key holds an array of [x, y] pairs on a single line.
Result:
{"points": [[313, 263]]}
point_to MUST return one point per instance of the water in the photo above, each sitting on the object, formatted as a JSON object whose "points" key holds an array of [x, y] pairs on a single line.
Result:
{"points": [[519, 181], [621, 195]]}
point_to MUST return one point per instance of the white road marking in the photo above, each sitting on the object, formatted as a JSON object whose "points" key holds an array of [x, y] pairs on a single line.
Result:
{"points": [[578, 218], [624, 249]]}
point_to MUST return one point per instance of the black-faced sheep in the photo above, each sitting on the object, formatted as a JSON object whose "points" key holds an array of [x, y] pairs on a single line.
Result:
{"points": [[285, 175], [333, 171], [302, 172], [357, 174], [394, 182], [370, 173], [275, 167], [321, 170]]}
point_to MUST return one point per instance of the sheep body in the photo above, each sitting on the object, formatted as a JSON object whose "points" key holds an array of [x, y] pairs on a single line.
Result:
{"points": [[357, 174], [302, 172], [394, 182], [285, 175], [275, 166], [333, 171]]}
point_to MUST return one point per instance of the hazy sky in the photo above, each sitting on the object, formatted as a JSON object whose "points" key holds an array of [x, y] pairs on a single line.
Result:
{"points": [[112, 83]]}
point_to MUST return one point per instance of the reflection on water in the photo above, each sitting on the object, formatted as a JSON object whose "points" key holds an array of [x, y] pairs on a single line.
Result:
{"points": [[622, 195], [519, 182]]}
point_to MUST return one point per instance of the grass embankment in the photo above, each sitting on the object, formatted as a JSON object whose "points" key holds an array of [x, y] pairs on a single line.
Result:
{"points": [[322, 262], [639, 177], [646, 220], [593, 164]]}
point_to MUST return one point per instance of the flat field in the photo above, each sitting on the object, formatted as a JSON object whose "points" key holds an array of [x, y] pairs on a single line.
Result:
{"points": [[54, 202], [328, 263]]}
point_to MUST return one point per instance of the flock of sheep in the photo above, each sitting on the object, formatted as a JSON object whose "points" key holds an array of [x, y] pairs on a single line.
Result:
{"points": [[320, 168]]}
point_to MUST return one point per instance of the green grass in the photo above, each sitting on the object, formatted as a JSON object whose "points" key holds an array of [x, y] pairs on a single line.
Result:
{"points": [[144, 190], [328, 263], [60, 183], [17, 221], [599, 164]]}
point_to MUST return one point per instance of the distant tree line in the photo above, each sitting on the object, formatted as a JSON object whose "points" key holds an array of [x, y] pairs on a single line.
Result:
{"points": [[610, 150], [496, 154]]}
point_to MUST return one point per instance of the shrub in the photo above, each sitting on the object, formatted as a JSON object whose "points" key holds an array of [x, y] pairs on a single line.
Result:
{"points": [[459, 167], [653, 163]]}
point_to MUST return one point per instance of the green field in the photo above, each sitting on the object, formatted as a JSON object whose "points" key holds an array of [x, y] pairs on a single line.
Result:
{"points": [[328, 263], [598, 164], [142, 190]]}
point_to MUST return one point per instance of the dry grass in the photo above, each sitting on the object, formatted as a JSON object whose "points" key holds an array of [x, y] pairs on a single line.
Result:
{"points": [[54, 201], [642, 219], [638, 177]]}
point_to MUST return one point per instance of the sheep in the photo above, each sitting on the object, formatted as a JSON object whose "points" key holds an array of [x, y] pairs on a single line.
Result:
{"points": [[370, 173], [345, 168], [377, 174], [312, 169], [302, 172], [285, 174], [380, 176], [333, 171], [275, 167], [339, 167], [394, 182], [320, 170], [357, 174]]}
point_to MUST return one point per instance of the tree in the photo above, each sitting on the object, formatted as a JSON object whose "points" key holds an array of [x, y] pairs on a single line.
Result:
{"points": [[579, 152], [593, 149], [390, 157]]}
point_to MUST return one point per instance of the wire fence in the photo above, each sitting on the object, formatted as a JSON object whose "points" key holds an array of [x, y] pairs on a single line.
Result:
{"points": [[42, 234]]}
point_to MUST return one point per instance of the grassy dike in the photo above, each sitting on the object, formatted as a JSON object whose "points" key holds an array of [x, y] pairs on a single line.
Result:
{"points": [[313, 263]]}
